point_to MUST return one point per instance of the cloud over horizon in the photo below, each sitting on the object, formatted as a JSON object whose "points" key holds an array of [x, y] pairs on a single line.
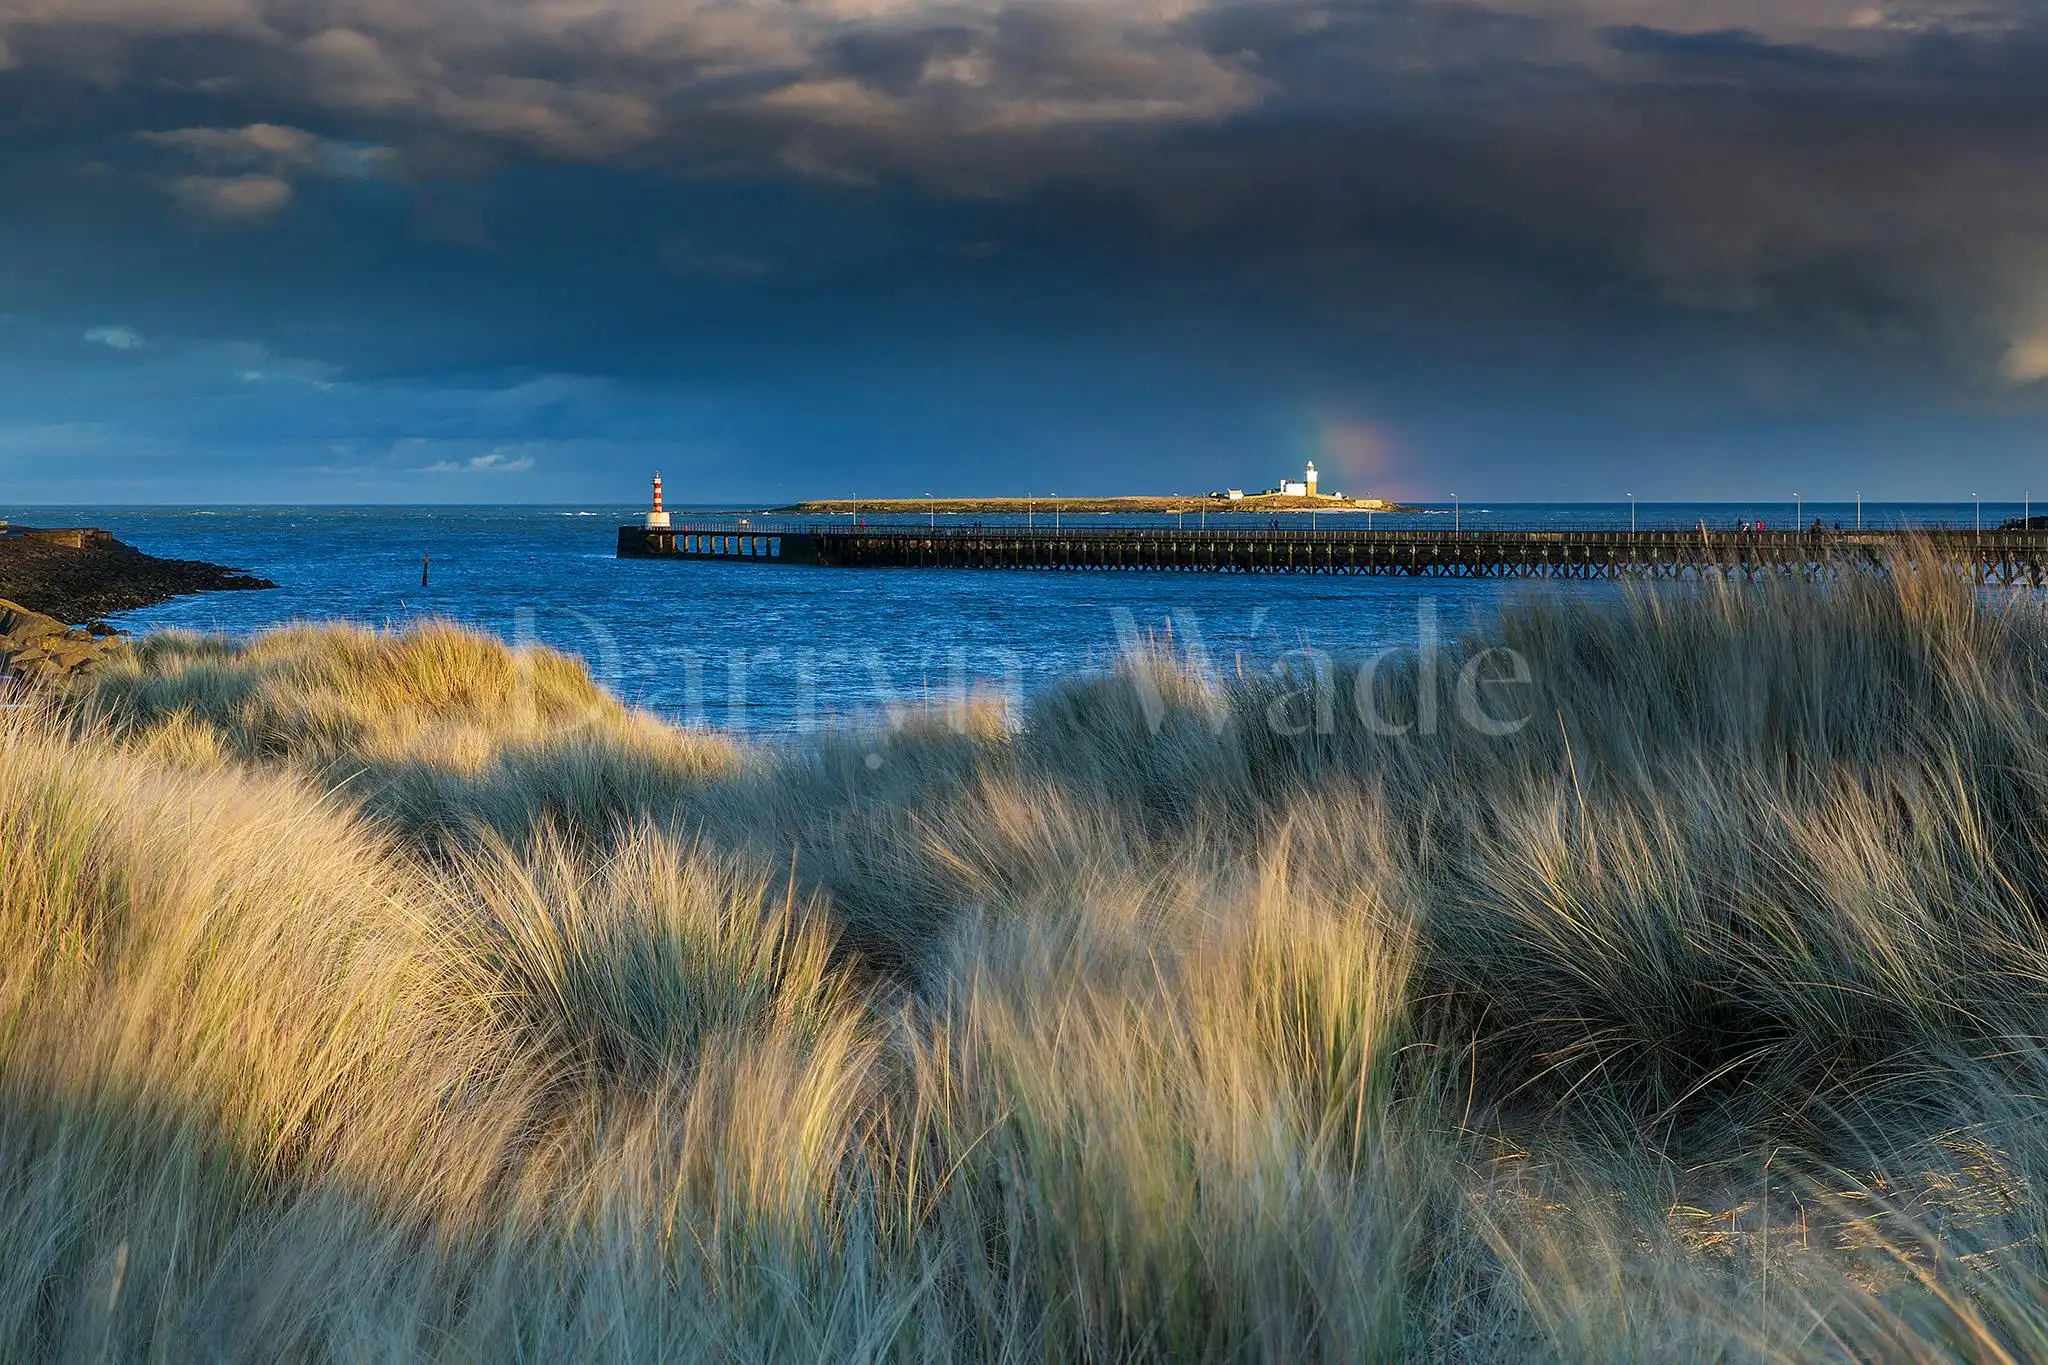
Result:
{"points": [[499, 461], [114, 338]]}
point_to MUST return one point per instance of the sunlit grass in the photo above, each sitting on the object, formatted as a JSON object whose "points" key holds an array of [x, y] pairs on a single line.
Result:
{"points": [[400, 996]]}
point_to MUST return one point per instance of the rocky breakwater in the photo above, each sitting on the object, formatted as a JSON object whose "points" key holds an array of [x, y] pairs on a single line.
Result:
{"points": [[57, 584], [82, 574]]}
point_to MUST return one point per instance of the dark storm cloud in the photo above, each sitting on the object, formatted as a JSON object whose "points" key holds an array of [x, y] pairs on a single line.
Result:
{"points": [[1685, 203], [1860, 166]]}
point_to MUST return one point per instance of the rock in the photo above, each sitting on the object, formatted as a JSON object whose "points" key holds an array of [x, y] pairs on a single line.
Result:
{"points": [[19, 625], [38, 648]]}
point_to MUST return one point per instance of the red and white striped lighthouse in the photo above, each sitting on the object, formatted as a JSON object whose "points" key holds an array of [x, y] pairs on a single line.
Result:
{"points": [[657, 518]]}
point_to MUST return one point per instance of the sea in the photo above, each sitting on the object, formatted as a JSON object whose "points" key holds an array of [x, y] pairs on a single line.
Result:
{"points": [[780, 650]]}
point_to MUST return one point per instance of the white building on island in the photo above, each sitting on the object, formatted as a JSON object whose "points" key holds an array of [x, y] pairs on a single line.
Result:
{"points": [[1304, 487]]}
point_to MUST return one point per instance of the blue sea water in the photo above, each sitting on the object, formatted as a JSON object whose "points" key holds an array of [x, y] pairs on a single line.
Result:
{"points": [[779, 649]]}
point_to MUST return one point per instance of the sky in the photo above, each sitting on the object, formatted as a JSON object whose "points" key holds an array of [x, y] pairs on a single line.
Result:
{"points": [[532, 250]]}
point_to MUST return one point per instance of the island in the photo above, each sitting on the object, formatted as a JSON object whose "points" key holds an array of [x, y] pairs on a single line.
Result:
{"points": [[1291, 495], [1213, 504], [976, 507]]}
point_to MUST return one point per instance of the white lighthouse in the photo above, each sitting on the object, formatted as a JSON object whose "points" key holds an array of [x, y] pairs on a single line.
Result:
{"points": [[1303, 487], [657, 516]]}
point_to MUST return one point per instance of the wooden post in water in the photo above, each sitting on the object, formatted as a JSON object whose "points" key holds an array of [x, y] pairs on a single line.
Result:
{"points": [[425, 561]]}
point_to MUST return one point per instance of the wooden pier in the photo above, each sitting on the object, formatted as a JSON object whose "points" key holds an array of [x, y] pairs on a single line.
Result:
{"points": [[2017, 558]]}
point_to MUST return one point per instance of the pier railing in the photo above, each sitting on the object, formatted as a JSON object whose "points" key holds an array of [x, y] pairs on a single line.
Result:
{"points": [[2014, 557], [1297, 526]]}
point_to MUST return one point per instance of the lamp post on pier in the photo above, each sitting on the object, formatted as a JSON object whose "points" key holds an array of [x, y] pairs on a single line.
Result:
{"points": [[1979, 501], [1798, 513], [1631, 514], [1457, 514], [1055, 514], [1859, 509]]}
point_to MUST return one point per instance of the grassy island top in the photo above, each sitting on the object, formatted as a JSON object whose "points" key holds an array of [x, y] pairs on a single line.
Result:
{"points": [[1262, 502]]}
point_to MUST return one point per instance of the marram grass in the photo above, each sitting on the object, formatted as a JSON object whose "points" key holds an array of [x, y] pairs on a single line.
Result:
{"points": [[403, 997]]}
